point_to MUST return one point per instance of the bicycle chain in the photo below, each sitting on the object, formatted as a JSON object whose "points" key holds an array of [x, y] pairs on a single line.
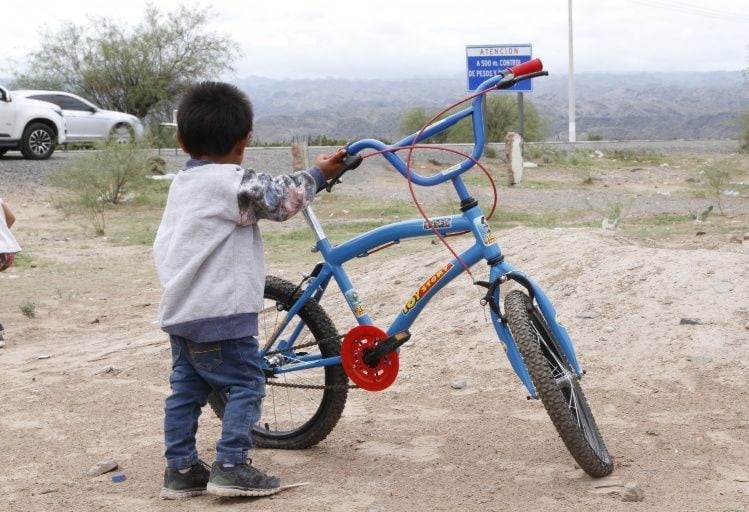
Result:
{"points": [[310, 386]]}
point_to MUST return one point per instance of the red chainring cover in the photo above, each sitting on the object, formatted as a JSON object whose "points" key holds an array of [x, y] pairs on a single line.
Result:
{"points": [[355, 344]]}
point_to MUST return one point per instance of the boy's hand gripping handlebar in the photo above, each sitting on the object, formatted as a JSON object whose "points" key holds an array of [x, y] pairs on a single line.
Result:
{"points": [[349, 162]]}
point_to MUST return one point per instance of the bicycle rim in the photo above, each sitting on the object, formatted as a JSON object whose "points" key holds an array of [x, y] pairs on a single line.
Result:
{"points": [[300, 407], [557, 385]]}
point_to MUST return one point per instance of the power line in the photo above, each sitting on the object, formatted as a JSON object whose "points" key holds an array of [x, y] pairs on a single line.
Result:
{"points": [[696, 10]]}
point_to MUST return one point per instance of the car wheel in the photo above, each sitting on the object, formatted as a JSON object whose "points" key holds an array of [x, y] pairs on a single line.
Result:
{"points": [[3, 151], [38, 142], [122, 134]]}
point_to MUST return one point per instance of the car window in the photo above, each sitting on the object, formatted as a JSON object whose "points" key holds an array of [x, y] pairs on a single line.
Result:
{"points": [[45, 97], [68, 103]]}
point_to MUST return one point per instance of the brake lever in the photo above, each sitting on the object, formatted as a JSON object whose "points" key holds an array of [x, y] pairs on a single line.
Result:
{"points": [[510, 80], [349, 162]]}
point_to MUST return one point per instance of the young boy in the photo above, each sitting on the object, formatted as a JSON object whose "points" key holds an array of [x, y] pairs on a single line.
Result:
{"points": [[209, 258]]}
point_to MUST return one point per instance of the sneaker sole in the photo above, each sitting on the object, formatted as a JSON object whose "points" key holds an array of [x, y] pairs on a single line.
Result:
{"points": [[171, 494], [219, 490]]}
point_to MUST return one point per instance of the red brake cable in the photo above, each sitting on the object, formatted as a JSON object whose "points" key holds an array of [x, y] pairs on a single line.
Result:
{"points": [[410, 182]]}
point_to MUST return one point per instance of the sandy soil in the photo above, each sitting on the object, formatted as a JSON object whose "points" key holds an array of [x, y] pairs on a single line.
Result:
{"points": [[86, 379]]}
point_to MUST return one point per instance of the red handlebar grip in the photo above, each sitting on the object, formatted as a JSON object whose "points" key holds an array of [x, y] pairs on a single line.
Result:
{"points": [[527, 67]]}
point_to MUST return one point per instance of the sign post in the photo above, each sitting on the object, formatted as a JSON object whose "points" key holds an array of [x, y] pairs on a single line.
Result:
{"points": [[484, 62]]}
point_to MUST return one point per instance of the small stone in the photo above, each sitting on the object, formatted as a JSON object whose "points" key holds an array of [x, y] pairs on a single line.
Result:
{"points": [[722, 286], [45, 356], [609, 328], [106, 369], [702, 360], [632, 492], [746, 326], [689, 321], [118, 477], [459, 384], [590, 314], [103, 466]]}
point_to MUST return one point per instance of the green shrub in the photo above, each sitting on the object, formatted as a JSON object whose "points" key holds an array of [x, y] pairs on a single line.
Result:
{"points": [[102, 179], [716, 179], [28, 309]]}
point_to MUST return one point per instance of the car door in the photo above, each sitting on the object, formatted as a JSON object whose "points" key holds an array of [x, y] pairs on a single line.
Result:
{"points": [[84, 123], [7, 116]]}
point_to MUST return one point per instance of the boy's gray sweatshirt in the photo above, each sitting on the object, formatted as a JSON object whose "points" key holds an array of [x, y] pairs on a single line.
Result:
{"points": [[208, 250]]}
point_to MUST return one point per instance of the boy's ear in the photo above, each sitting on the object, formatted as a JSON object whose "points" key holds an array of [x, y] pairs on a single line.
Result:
{"points": [[181, 144], [242, 143]]}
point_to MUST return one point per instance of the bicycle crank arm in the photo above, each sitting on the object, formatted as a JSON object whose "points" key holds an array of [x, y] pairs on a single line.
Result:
{"points": [[373, 356]]}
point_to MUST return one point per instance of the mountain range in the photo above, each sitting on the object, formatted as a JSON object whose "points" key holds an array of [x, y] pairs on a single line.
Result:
{"points": [[660, 106]]}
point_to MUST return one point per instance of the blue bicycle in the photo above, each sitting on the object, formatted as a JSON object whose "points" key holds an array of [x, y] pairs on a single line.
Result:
{"points": [[309, 366]]}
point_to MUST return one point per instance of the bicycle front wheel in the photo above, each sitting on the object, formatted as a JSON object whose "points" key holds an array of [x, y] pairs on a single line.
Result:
{"points": [[301, 407], [557, 385]]}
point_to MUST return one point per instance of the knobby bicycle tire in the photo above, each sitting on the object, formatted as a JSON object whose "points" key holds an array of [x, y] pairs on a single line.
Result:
{"points": [[317, 410], [557, 385]]}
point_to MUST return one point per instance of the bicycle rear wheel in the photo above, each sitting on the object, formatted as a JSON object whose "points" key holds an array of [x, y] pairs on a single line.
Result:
{"points": [[557, 385], [301, 407]]}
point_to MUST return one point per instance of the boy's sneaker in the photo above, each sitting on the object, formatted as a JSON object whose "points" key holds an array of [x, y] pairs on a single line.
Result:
{"points": [[180, 486], [241, 480]]}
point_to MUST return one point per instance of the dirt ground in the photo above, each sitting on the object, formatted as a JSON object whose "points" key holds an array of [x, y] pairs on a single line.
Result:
{"points": [[85, 380]]}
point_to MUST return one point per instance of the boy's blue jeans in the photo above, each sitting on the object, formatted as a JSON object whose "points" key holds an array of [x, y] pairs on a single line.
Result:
{"points": [[197, 368]]}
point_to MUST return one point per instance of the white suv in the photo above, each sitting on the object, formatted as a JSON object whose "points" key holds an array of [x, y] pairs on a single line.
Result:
{"points": [[87, 122], [31, 126]]}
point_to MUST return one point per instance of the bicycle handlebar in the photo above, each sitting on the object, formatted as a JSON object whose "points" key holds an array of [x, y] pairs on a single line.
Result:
{"points": [[503, 80]]}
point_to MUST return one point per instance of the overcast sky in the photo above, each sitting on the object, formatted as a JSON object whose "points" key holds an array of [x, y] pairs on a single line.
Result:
{"points": [[398, 39]]}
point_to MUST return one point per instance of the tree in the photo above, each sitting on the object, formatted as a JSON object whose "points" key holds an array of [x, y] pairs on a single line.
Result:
{"points": [[414, 120], [139, 70], [501, 117]]}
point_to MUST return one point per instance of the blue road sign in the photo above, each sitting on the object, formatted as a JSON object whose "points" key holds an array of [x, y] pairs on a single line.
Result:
{"points": [[483, 62]]}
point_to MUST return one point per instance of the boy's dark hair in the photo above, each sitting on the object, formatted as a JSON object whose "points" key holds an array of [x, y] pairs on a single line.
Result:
{"points": [[212, 117]]}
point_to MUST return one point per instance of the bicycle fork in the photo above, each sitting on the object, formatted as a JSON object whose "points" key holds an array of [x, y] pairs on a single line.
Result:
{"points": [[501, 273]]}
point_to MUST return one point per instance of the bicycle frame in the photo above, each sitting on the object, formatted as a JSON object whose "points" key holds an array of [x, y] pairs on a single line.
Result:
{"points": [[471, 220]]}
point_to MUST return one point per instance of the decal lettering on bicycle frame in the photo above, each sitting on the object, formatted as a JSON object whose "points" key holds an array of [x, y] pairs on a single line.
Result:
{"points": [[438, 223], [485, 231], [425, 287], [355, 303]]}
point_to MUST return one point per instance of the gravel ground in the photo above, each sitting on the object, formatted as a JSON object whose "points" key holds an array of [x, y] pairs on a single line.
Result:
{"points": [[660, 328], [16, 170]]}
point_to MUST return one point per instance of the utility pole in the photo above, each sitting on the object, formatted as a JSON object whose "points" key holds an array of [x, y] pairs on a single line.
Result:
{"points": [[571, 80]]}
